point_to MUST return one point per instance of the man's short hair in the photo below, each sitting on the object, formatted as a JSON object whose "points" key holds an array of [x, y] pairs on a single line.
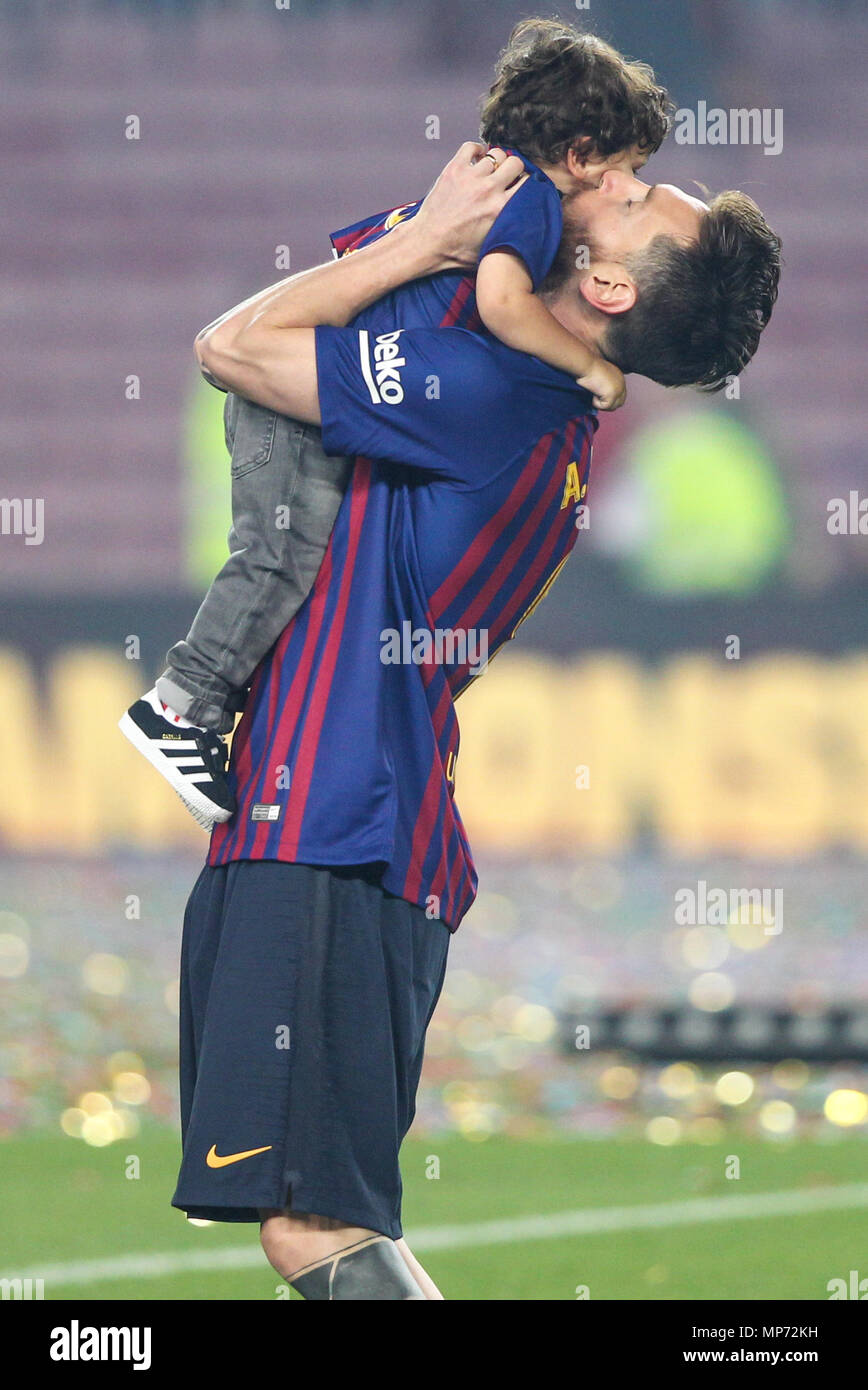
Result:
{"points": [[558, 89], [700, 307]]}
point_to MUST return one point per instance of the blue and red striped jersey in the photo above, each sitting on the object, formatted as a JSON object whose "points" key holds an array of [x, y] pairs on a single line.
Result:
{"points": [[471, 461]]}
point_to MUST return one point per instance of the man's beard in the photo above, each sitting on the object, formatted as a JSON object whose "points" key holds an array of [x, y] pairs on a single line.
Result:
{"points": [[575, 252]]}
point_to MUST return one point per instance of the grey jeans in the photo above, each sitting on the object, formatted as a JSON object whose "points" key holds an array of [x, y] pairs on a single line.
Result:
{"points": [[286, 493]]}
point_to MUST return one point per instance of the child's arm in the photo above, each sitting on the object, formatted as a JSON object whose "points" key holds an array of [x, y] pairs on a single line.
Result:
{"points": [[513, 313]]}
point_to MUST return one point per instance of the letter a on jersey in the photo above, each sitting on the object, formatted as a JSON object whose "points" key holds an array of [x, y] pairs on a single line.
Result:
{"points": [[573, 490]]}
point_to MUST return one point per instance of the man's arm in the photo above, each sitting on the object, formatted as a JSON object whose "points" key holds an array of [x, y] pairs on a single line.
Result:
{"points": [[264, 348]]}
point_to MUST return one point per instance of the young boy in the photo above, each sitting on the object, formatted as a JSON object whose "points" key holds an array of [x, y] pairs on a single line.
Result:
{"points": [[571, 107]]}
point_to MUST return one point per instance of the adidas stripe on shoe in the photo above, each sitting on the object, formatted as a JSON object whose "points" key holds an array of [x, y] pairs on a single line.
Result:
{"points": [[192, 760]]}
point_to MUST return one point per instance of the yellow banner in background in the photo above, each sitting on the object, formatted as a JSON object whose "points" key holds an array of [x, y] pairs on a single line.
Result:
{"points": [[764, 756], [768, 756]]}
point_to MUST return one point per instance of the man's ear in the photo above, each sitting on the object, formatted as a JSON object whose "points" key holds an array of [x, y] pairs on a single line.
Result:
{"points": [[609, 287]]}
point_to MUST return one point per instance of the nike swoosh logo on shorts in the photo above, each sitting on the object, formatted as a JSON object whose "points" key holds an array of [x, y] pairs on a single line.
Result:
{"points": [[215, 1160]]}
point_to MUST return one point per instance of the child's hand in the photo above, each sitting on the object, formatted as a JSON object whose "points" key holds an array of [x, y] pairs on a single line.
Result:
{"points": [[606, 384]]}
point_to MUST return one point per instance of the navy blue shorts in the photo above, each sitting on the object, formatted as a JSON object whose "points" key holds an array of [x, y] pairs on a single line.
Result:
{"points": [[305, 996]]}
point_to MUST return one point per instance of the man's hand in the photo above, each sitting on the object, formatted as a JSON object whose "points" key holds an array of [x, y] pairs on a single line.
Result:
{"points": [[460, 209], [264, 349]]}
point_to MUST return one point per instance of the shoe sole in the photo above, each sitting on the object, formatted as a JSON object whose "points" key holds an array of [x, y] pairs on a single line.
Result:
{"points": [[204, 811]]}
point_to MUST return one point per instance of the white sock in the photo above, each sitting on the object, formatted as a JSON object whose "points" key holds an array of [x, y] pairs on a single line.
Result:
{"points": [[166, 712]]}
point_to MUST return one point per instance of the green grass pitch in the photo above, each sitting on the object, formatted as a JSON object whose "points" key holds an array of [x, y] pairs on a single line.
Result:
{"points": [[62, 1203]]}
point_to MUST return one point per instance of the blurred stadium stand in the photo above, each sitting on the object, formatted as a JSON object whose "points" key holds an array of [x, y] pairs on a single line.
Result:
{"points": [[262, 128]]}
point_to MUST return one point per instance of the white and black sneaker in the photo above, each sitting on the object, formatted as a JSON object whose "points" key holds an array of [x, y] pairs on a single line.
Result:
{"points": [[192, 760]]}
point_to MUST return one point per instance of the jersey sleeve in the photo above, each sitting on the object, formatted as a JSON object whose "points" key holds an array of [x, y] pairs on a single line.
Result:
{"points": [[531, 224], [370, 228], [433, 399]]}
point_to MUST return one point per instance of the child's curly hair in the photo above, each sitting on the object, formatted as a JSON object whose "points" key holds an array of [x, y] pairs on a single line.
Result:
{"points": [[558, 89]]}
